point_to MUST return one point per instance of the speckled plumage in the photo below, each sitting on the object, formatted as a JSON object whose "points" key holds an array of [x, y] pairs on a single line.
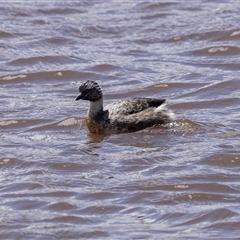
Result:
{"points": [[121, 116]]}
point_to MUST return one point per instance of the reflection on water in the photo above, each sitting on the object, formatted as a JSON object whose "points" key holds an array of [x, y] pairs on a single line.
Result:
{"points": [[180, 180]]}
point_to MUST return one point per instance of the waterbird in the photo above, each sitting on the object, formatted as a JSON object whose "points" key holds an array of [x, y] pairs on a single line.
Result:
{"points": [[121, 116]]}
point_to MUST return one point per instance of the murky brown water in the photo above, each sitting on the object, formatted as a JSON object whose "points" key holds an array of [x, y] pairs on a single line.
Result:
{"points": [[59, 182]]}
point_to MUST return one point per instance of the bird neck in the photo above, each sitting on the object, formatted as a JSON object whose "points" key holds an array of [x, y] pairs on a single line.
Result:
{"points": [[96, 107]]}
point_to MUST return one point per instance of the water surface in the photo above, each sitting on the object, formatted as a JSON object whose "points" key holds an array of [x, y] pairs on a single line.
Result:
{"points": [[59, 181]]}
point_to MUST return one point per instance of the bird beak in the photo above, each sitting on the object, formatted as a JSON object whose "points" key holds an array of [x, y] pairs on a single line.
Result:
{"points": [[79, 97]]}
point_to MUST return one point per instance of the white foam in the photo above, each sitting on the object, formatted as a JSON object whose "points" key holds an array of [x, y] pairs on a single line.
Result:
{"points": [[6, 123], [163, 108]]}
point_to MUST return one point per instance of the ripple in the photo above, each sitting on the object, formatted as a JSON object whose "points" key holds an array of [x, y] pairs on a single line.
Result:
{"points": [[63, 206], [25, 204], [210, 216], [104, 67], [4, 34], [60, 11], [216, 51], [36, 60], [223, 160], [179, 180]]}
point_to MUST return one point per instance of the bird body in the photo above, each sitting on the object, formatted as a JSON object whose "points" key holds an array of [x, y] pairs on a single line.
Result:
{"points": [[121, 116]]}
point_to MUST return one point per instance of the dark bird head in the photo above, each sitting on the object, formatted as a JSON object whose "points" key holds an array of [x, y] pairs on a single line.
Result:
{"points": [[89, 90]]}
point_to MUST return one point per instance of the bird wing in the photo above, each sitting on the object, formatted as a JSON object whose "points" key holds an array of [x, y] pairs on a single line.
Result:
{"points": [[131, 106]]}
